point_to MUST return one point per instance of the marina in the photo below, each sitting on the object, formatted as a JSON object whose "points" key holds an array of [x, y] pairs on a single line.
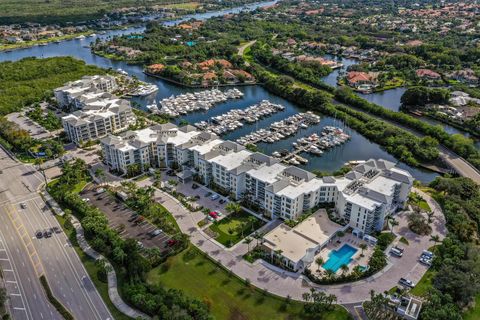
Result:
{"points": [[144, 90], [236, 118], [314, 144], [331, 160], [183, 104], [281, 129]]}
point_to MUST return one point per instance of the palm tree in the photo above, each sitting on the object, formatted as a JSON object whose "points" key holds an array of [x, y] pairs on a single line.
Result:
{"points": [[330, 274], [363, 246], [248, 240], [435, 238], [393, 223], [430, 216], [319, 261], [251, 222], [233, 207], [100, 173], [344, 268]]}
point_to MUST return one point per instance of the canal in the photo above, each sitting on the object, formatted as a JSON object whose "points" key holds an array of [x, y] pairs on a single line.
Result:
{"points": [[357, 148], [389, 99]]}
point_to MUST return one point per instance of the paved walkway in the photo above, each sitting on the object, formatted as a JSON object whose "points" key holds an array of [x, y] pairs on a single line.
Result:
{"points": [[111, 276], [284, 283]]}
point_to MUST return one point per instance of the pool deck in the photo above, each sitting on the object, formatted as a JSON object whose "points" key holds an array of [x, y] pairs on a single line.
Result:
{"points": [[352, 241]]}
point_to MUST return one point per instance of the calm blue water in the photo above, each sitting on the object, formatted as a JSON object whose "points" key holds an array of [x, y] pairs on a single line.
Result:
{"points": [[337, 258], [389, 99], [358, 148]]}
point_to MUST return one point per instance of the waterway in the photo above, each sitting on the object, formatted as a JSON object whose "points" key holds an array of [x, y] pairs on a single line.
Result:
{"points": [[358, 148], [389, 99]]}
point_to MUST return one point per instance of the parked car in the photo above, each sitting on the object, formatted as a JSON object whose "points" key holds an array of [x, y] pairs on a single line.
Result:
{"points": [[86, 200], [218, 213], [214, 197], [396, 252], [208, 194], [23, 205], [155, 233], [399, 248], [210, 218], [139, 220], [222, 201], [406, 283], [39, 234], [428, 254], [170, 172], [133, 217], [100, 191], [213, 214], [425, 261], [194, 186], [171, 242], [47, 233], [140, 245]]}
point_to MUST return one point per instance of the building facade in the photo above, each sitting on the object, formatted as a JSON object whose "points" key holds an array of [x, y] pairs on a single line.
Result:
{"points": [[363, 198]]}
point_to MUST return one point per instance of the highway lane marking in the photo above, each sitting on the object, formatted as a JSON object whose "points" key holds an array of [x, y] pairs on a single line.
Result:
{"points": [[11, 281], [19, 308], [4, 259], [15, 294], [38, 267], [76, 273], [7, 270], [19, 285]]}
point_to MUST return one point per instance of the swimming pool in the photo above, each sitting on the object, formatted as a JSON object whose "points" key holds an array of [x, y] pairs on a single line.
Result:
{"points": [[337, 258]]}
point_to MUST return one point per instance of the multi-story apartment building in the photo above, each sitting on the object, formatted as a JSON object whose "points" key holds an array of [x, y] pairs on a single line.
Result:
{"points": [[69, 94], [97, 120], [98, 112], [364, 197]]}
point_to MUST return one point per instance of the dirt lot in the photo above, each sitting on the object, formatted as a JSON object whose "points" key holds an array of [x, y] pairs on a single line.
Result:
{"points": [[118, 214]]}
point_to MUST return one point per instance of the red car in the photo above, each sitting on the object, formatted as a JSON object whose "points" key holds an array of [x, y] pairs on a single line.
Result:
{"points": [[213, 214], [171, 242]]}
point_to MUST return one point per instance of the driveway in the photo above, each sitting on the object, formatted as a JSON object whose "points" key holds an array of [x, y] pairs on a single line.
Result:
{"points": [[284, 283]]}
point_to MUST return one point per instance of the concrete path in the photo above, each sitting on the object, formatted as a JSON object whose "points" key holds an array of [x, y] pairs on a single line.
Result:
{"points": [[111, 276], [284, 283]]}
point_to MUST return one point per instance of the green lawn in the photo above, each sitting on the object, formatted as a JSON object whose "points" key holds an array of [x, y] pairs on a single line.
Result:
{"points": [[228, 297], [425, 284], [229, 229], [474, 313], [92, 270]]}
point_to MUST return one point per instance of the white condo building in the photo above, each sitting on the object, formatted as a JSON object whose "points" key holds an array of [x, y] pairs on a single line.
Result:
{"points": [[98, 112], [364, 197], [70, 93]]}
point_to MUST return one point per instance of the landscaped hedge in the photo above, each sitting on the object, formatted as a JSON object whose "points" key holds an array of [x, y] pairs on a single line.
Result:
{"points": [[57, 304]]}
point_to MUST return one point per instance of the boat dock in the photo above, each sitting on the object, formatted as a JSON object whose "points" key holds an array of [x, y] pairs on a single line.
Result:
{"points": [[315, 144], [183, 104], [236, 118], [281, 129]]}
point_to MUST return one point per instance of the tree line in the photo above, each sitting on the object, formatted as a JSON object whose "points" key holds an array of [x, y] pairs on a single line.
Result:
{"points": [[457, 265], [399, 142], [125, 254]]}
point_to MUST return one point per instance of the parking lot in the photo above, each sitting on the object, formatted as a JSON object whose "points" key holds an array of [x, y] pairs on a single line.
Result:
{"points": [[120, 218], [201, 193], [24, 122]]}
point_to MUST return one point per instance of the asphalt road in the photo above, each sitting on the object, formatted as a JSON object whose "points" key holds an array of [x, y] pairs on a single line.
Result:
{"points": [[28, 257]]}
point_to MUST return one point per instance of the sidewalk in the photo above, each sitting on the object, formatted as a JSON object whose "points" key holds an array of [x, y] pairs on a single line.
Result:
{"points": [[112, 277], [294, 285]]}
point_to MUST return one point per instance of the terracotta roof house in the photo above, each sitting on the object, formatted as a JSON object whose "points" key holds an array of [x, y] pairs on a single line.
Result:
{"points": [[466, 76], [427, 74], [155, 68], [356, 78]]}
